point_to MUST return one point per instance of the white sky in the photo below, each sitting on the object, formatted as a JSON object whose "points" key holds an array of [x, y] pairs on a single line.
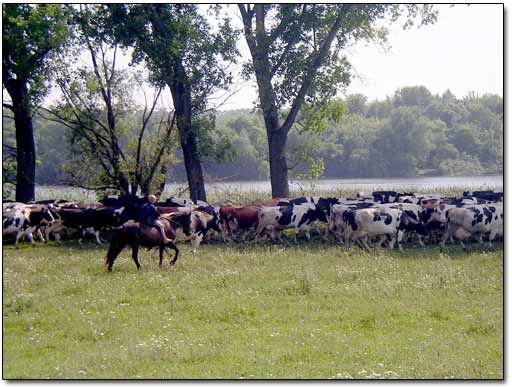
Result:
{"points": [[462, 51]]}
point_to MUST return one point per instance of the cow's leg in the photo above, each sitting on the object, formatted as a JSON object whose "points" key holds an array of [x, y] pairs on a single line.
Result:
{"points": [[296, 231], [308, 235], [447, 235], [280, 236], [492, 235], [81, 235], [420, 240], [339, 237], [327, 230], [47, 232], [364, 242], [97, 235], [40, 235], [19, 234], [382, 239], [349, 242], [196, 241], [392, 241], [29, 235], [257, 234]]}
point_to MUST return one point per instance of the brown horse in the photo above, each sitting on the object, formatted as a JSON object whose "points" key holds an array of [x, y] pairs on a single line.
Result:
{"points": [[134, 235]]}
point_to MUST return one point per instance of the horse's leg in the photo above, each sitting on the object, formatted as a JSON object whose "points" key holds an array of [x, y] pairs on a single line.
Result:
{"points": [[173, 246], [161, 249], [135, 253], [113, 251]]}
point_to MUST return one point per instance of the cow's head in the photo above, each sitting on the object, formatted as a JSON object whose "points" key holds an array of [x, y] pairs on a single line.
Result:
{"points": [[119, 216], [183, 219], [433, 214], [323, 206], [50, 216]]}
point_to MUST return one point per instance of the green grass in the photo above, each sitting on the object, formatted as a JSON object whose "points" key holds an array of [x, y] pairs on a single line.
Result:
{"points": [[272, 311]]}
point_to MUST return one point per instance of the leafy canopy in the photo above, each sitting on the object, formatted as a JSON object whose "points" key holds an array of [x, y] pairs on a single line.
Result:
{"points": [[30, 35]]}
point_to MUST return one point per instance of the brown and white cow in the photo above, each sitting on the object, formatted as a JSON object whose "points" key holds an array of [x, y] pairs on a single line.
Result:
{"points": [[238, 220]]}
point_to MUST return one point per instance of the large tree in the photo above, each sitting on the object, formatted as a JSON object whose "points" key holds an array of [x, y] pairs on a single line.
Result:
{"points": [[30, 34], [182, 51], [297, 58]]}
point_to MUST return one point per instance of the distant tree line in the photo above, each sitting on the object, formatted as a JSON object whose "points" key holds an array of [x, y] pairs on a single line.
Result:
{"points": [[412, 133]]}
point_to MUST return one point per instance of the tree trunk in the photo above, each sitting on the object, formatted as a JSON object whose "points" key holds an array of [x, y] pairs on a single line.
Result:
{"points": [[194, 170], [25, 146], [276, 137], [182, 99], [258, 42], [278, 166]]}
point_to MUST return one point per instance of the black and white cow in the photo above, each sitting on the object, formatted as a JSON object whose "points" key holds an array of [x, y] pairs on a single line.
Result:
{"points": [[297, 216], [362, 224], [183, 202], [419, 219], [27, 220], [475, 221]]}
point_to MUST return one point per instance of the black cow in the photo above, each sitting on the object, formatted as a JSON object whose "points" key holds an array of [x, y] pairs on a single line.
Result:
{"points": [[90, 218], [490, 196]]}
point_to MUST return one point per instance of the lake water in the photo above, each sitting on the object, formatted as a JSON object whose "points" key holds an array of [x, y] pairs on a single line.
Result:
{"points": [[422, 184]]}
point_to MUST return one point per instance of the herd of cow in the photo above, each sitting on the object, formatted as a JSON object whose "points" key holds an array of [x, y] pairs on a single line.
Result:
{"points": [[382, 217]]}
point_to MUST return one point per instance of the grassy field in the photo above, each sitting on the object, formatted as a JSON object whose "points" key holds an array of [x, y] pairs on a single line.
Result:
{"points": [[275, 311]]}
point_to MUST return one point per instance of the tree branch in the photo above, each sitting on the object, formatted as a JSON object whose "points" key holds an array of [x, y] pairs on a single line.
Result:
{"points": [[316, 62], [158, 158]]}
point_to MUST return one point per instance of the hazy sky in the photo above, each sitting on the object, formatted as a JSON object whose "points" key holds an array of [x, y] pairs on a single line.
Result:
{"points": [[463, 51]]}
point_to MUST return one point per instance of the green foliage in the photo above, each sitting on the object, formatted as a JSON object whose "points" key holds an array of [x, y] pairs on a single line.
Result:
{"points": [[314, 117], [184, 38], [31, 35], [8, 179]]}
